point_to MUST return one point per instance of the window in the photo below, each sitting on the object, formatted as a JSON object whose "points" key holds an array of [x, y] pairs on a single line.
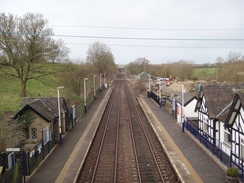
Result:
{"points": [[27, 135], [242, 148], [46, 135], [205, 127], [227, 137], [34, 133]]}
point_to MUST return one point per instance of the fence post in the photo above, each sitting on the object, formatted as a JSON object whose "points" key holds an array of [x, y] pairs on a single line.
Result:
{"points": [[28, 162], [42, 142], [242, 172], [221, 158], [24, 165], [43, 149], [230, 157]]}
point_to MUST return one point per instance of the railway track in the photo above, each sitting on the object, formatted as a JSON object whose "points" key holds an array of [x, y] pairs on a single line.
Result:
{"points": [[125, 148]]}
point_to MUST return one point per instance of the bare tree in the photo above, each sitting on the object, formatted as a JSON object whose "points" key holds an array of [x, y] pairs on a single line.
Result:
{"points": [[26, 48], [182, 69], [234, 56], [76, 74], [219, 64], [101, 57], [138, 66]]}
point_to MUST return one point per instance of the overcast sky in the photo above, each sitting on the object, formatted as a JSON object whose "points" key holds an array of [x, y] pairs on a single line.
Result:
{"points": [[162, 31]]}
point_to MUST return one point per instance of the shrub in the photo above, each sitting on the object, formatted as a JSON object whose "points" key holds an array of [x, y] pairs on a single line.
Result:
{"points": [[232, 172]]}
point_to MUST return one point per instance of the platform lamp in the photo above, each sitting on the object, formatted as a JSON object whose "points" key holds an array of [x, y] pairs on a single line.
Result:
{"points": [[85, 92], [149, 88], [94, 83], [104, 80], [59, 115], [182, 109], [100, 82], [160, 93]]}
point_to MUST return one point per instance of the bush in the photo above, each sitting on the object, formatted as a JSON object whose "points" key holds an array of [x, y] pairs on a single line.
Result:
{"points": [[232, 172]]}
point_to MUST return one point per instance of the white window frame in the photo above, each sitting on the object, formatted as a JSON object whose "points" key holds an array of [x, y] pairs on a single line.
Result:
{"points": [[227, 138], [242, 149], [34, 137]]}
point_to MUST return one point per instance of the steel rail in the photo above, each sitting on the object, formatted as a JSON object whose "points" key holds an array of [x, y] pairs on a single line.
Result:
{"points": [[133, 138], [145, 133], [117, 138], [102, 143]]}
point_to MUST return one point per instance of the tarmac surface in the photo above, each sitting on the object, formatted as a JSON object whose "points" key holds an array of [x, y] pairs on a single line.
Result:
{"points": [[61, 159], [191, 161], [191, 156]]}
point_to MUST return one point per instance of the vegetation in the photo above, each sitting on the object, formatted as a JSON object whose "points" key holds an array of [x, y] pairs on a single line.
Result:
{"points": [[181, 69], [229, 70], [101, 58], [204, 73], [232, 172], [10, 89], [26, 48], [25, 121], [71, 77]]}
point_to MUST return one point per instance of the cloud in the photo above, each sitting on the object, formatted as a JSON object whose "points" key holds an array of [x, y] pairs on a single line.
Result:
{"points": [[151, 18]]}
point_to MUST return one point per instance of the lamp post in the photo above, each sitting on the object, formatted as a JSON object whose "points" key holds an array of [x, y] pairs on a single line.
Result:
{"points": [[160, 93], [94, 83], [100, 82], [59, 115], [85, 92], [104, 80], [182, 110], [149, 88]]}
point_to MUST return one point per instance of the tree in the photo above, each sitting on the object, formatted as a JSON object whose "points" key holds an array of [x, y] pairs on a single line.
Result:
{"points": [[182, 69], [234, 56], [102, 58], [25, 120], [138, 66], [219, 64], [75, 74], [26, 48]]}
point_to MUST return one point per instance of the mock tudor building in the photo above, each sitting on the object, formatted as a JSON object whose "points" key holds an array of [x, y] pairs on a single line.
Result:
{"points": [[213, 106], [234, 123]]}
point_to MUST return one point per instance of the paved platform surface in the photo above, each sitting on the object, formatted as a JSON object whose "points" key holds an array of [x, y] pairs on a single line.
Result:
{"points": [[63, 163], [192, 161]]}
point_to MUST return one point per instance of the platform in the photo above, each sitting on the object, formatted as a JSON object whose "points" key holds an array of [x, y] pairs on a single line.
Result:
{"points": [[191, 162]]}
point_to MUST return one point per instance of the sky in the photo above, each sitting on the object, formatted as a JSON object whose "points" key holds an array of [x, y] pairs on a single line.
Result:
{"points": [[162, 31]]}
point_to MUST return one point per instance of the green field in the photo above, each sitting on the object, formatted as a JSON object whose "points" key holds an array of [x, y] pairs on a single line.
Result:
{"points": [[41, 87], [204, 73], [10, 92], [10, 89]]}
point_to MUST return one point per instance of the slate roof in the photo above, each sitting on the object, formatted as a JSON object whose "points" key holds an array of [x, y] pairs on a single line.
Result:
{"points": [[219, 98], [234, 107], [47, 107], [51, 102], [187, 99], [241, 95], [39, 108], [144, 76]]}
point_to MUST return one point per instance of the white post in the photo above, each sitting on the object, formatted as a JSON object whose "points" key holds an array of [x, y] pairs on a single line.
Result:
{"points": [[149, 87], [104, 80], [182, 109], [85, 92], [59, 115], [94, 83], [160, 93], [100, 82]]}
